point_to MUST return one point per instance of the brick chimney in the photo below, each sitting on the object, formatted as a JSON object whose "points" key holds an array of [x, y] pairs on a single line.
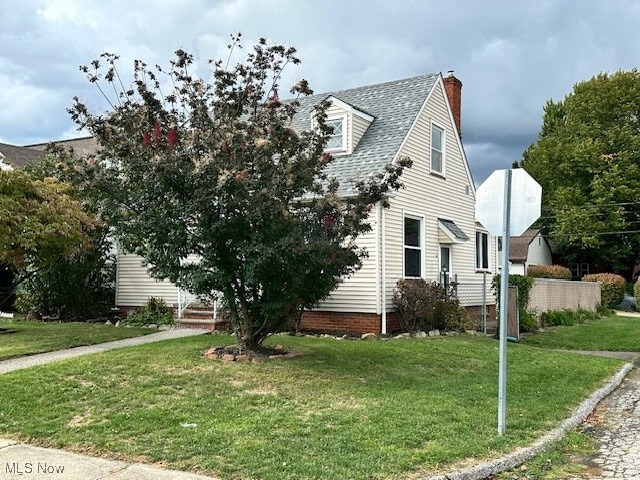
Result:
{"points": [[453, 86]]}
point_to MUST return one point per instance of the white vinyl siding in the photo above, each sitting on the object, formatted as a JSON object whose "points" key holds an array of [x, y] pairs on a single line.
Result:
{"points": [[134, 285], [539, 252], [433, 197], [359, 126], [360, 293]]}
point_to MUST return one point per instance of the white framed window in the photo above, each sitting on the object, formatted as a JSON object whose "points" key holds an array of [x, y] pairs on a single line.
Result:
{"points": [[413, 246], [482, 250], [338, 138], [437, 149]]}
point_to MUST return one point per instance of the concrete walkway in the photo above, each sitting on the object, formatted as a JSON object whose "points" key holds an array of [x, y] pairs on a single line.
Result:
{"points": [[19, 363], [20, 461]]}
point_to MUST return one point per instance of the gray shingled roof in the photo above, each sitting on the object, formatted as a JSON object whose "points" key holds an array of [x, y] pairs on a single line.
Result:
{"points": [[19, 156], [519, 246], [454, 229], [395, 106]]}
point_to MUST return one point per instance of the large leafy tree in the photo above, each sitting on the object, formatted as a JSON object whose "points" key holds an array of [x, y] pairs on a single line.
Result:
{"points": [[214, 171], [587, 159], [79, 284], [39, 221]]}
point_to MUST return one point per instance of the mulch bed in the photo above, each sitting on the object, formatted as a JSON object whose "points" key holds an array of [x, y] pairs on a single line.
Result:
{"points": [[233, 353]]}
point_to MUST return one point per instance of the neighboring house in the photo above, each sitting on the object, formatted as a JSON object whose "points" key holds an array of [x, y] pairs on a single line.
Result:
{"points": [[84, 146], [430, 227], [530, 248], [13, 156]]}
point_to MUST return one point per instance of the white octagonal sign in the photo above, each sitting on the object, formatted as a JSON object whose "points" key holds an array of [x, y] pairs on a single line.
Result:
{"points": [[526, 198]]}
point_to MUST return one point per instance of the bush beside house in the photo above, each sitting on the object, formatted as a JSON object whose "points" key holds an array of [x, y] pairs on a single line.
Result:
{"points": [[423, 306], [612, 285]]}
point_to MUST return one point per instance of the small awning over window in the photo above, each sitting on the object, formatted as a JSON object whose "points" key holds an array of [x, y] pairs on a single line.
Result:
{"points": [[449, 232]]}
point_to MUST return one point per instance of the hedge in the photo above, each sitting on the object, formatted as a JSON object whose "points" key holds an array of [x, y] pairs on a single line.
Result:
{"points": [[549, 271], [612, 287]]}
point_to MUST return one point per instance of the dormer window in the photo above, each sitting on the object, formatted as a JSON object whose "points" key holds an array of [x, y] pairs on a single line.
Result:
{"points": [[338, 138]]}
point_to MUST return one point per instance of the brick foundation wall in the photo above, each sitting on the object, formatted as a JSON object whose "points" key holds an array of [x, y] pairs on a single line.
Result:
{"points": [[342, 322], [475, 312]]}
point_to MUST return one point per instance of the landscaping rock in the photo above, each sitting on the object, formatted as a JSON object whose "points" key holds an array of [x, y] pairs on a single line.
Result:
{"points": [[227, 357], [118, 324], [211, 353], [369, 336], [421, 334], [243, 358], [402, 335], [434, 333]]}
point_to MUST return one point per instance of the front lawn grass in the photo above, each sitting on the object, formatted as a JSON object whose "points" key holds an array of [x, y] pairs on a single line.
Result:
{"points": [[344, 409], [612, 333], [39, 337]]}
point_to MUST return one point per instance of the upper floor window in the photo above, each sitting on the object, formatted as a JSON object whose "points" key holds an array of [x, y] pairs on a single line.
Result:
{"points": [[482, 251], [437, 149], [338, 138], [413, 246]]}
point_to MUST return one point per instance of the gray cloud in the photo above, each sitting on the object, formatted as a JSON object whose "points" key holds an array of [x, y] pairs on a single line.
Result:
{"points": [[511, 56]]}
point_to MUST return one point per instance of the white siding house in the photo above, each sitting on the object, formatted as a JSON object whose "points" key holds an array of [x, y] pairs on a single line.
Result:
{"points": [[430, 226], [530, 248], [428, 231]]}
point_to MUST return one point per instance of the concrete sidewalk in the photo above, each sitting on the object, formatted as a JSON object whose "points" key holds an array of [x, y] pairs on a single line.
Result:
{"points": [[25, 461]]}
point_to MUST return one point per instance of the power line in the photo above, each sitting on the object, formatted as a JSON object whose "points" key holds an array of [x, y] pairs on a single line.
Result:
{"points": [[590, 234]]}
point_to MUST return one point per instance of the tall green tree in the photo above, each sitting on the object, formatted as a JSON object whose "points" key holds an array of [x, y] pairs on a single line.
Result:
{"points": [[213, 169], [80, 284], [587, 159], [39, 221]]}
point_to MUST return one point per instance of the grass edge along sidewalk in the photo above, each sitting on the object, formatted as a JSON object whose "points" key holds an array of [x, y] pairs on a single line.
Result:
{"points": [[30, 338], [342, 410]]}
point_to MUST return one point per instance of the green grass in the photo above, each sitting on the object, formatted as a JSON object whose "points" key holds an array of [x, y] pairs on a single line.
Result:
{"points": [[39, 337], [613, 333], [345, 409], [565, 459]]}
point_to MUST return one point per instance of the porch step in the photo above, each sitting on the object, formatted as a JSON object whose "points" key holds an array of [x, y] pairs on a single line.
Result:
{"points": [[207, 323], [200, 314]]}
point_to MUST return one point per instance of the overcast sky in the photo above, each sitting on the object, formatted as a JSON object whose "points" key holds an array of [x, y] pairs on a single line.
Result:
{"points": [[511, 56]]}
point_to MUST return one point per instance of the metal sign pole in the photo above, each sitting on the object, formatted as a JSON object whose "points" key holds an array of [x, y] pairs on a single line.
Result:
{"points": [[504, 307]]}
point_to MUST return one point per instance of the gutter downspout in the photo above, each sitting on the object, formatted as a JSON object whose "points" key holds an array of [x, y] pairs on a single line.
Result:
{"points": [[383, 272]]}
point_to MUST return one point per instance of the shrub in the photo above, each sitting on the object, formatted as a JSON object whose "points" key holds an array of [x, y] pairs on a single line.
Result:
{"points": [[528, 321], [155, 311], [75, 288], [612, 287], [423, 306], [523, 284], [636, 290], [567, 317], [549, 271]]}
